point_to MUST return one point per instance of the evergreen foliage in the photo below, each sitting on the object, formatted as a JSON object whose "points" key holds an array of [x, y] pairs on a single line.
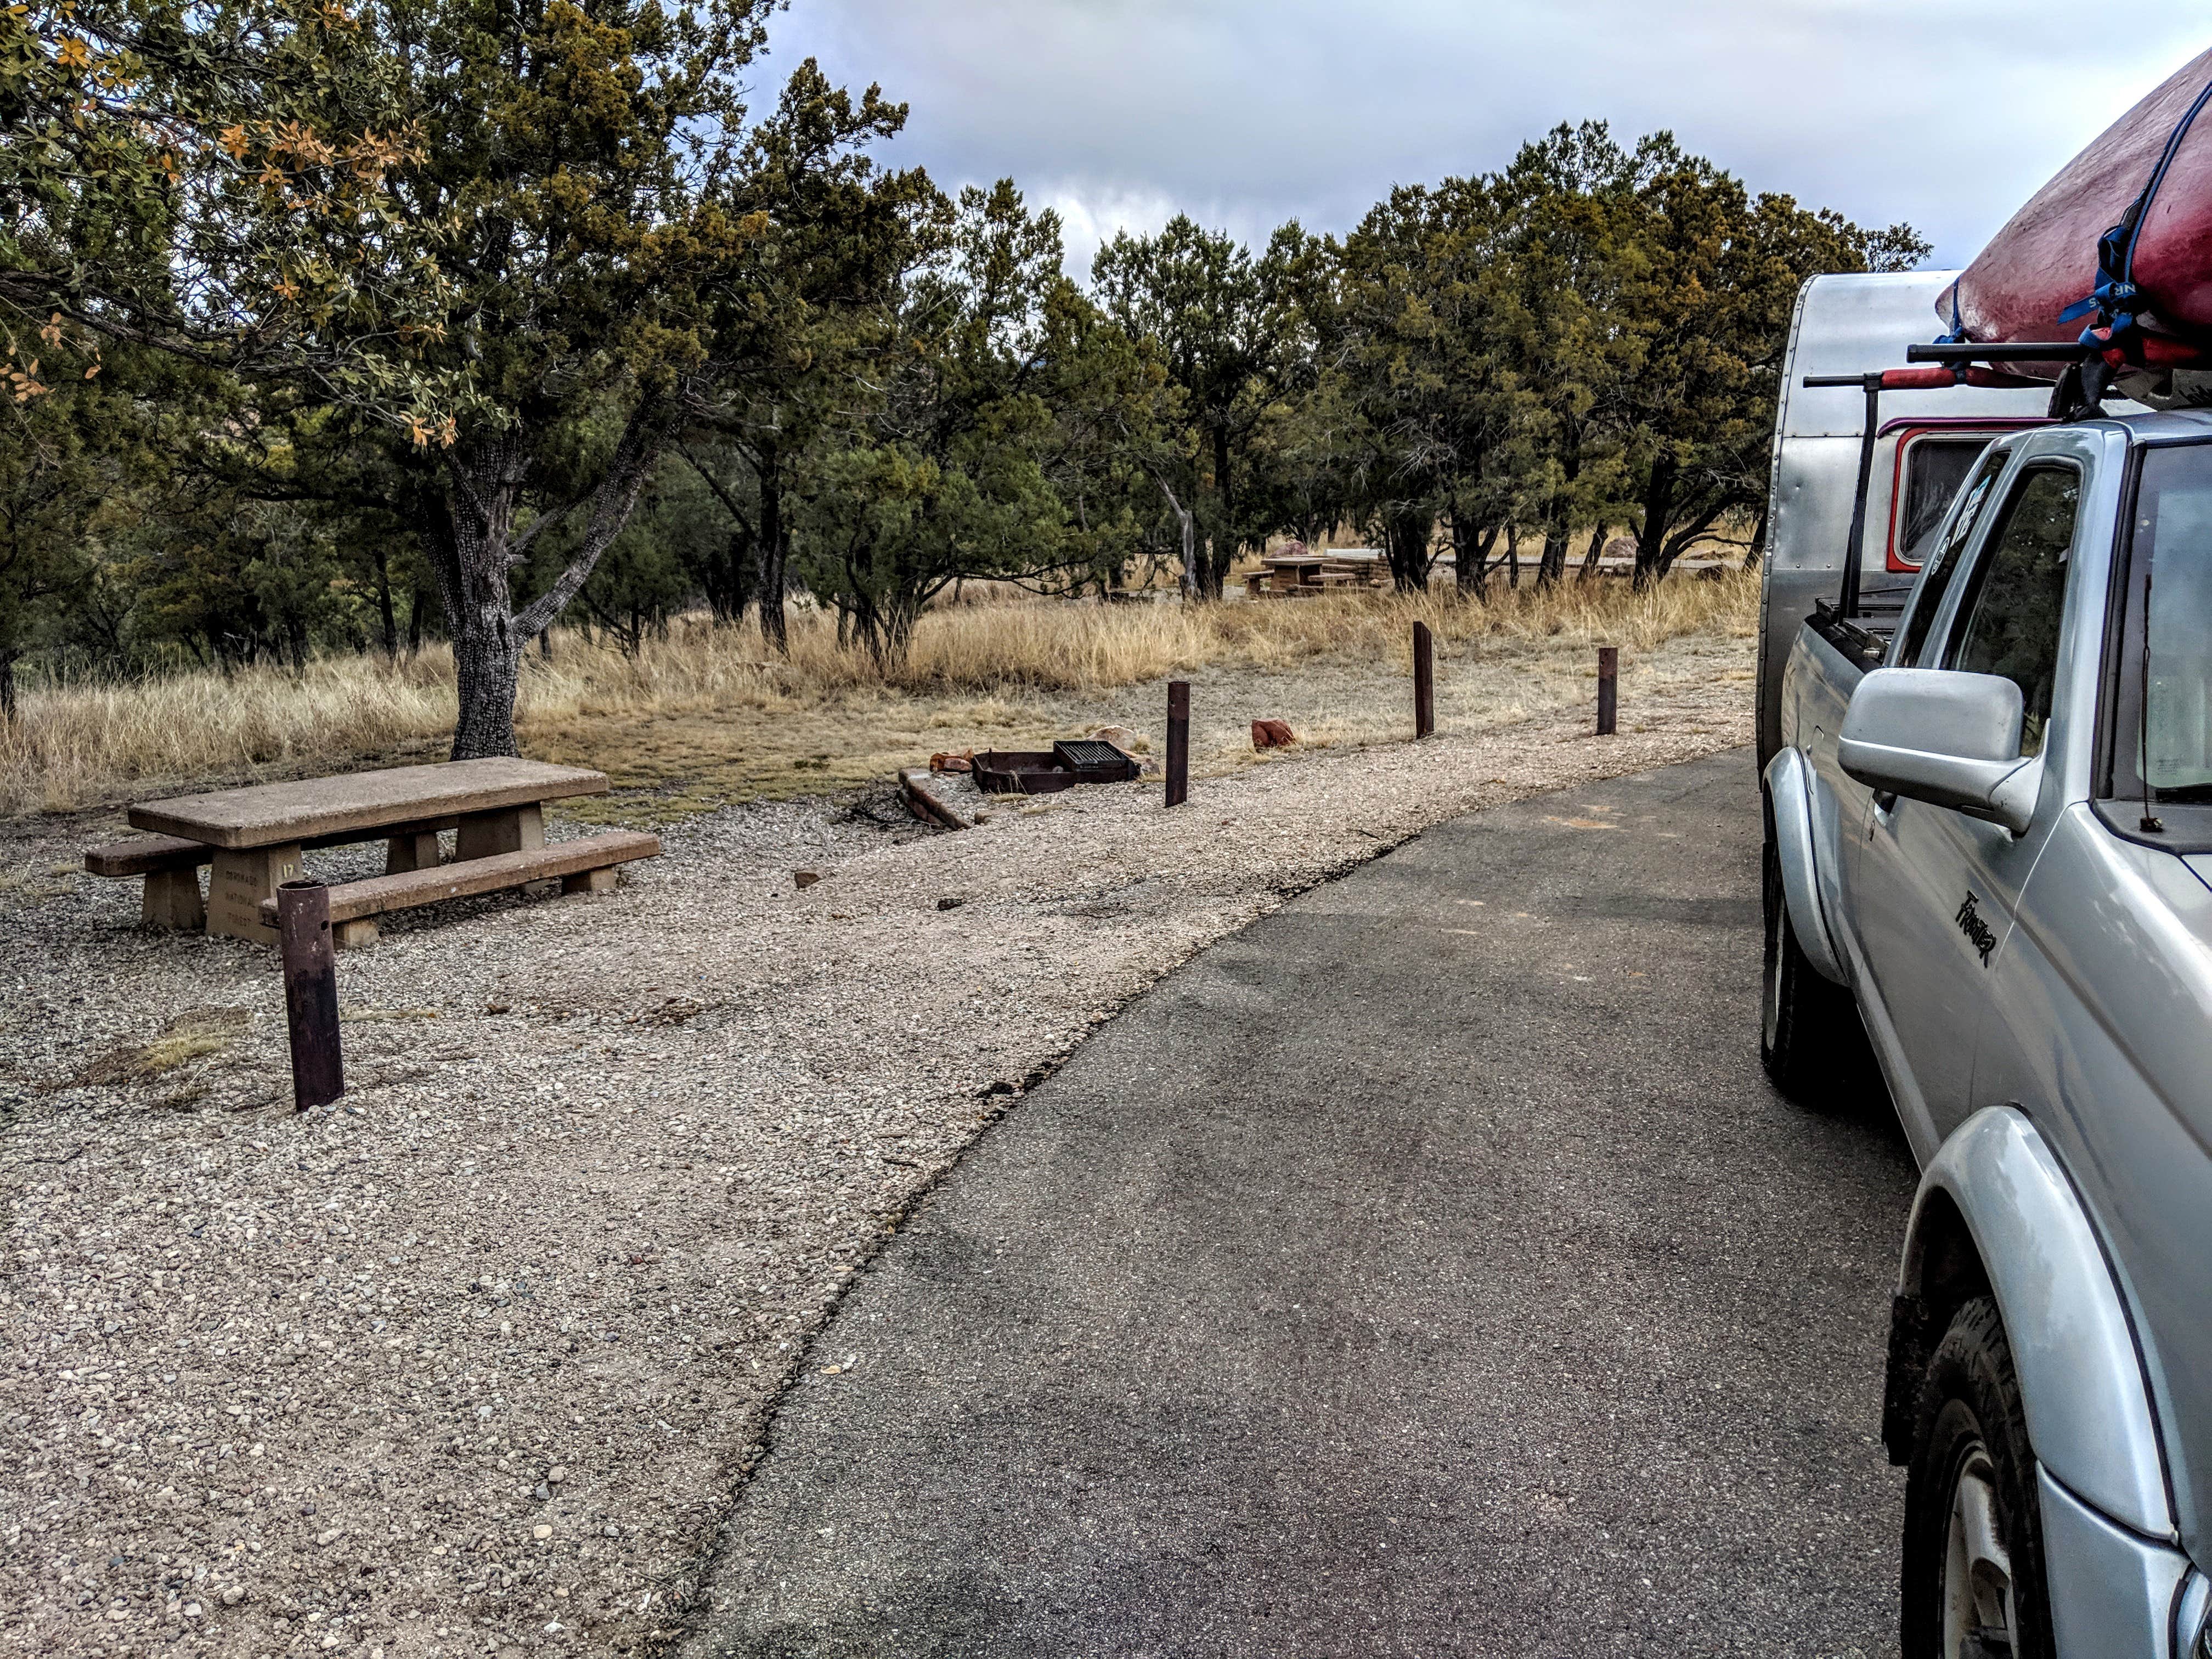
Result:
{"points": [[327, 327]]}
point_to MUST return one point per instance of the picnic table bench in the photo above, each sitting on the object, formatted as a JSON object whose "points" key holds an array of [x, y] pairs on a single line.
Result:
{"points": [[255, 838]]}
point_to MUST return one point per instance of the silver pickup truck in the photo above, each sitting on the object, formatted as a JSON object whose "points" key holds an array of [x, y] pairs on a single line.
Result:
{"points": [[1987, 788]]}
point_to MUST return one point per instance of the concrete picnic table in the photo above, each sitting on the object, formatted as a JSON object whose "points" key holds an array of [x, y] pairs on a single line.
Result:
{"points": [[256, 835]]}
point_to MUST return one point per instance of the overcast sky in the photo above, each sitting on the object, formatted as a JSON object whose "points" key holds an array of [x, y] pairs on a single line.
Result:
{"points": [[1945, 113]]}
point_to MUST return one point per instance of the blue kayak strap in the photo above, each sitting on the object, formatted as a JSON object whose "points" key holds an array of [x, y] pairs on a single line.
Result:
{"points": [[2114, 298], [1958, 334]]}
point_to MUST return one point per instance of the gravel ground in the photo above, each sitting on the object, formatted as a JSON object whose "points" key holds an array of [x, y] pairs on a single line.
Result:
{"points": [[472, 1362]]}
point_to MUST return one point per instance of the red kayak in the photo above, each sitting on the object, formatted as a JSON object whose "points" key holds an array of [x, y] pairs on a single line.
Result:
{"points": [[2047, 259]]}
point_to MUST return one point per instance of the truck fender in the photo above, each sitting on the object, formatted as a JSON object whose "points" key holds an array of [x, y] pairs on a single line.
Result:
{"points": [[1995, 1208], [2110, 1591], [1788, 794]]}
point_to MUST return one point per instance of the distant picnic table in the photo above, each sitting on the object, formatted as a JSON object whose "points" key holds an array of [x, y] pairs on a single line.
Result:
{"points": [[1309, 575], [255, 838]]}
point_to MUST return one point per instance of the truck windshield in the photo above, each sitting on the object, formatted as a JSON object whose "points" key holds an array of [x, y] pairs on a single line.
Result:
{"points": [[2171, 551]]}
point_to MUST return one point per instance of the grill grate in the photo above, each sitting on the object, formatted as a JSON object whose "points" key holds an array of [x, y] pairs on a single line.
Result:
{"points": [[1090, 754]]}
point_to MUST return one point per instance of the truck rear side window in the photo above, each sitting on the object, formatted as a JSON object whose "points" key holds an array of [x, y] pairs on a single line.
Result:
{"points": [[1942, 561], [2011, 618], [1934, 467]]}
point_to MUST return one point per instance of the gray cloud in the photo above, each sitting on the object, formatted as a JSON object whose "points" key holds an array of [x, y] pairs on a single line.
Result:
{"points": [[1247, 113]]}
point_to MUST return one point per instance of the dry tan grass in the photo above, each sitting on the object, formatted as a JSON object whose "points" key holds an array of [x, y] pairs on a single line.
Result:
{"points": [[709, 714], [190, 1035]]}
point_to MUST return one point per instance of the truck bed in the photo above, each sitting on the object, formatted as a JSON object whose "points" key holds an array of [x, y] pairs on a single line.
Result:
{"points": [[1863, 642]]}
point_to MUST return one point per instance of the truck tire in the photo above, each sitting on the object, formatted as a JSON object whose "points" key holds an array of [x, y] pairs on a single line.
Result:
{"points": [[1809, 1037], [1972, 1583]]}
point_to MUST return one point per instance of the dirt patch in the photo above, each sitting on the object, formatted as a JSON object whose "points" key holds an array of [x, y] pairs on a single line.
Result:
{"points": [[474, 1360]]}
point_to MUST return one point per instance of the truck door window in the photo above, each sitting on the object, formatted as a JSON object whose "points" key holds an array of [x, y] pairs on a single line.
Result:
{"points": [[1942, 560], [1934, 467], [2011, 618]]}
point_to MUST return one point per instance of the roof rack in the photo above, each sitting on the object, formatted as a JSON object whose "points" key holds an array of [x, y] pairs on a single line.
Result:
{"points": [[2003, 351], [1956, 363]]}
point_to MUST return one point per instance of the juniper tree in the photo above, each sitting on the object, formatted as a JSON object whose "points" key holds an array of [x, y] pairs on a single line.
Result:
{"points": [[1206, 306], [941, 475], [1708, 299], [519, 239], [796, 347]]}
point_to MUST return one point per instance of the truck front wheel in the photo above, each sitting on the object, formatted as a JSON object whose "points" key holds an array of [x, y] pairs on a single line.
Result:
{"points": [[1808, 1032], [1972, 1579]]}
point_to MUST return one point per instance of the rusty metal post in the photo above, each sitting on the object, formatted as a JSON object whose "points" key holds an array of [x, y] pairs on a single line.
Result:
{"points": [[1424, 682], [1178, 742], [311, 992], [1609, 688]]}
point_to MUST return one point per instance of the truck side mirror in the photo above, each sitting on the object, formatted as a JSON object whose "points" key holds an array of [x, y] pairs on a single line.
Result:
{"points": [[1947, 738]]}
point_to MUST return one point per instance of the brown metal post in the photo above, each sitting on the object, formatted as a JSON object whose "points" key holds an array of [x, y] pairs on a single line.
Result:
{"points": [[1178, 742], [1609, 688], [1424, 682], [311, 992]]}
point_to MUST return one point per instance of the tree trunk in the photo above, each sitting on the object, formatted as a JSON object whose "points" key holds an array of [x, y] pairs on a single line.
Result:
{"points": [[485, 663], [894, 635], [415, 620], [8, 706], [474, 545], [473, 593], [730, 575], [738, 562], [1755, 555], [1406, 537], [1592, 554], [775, 627], [1189, 523], [1553, 564], [1658, 514], [1513, 555], [1222, 544], [384, 615], [1471, 560], [469, 557], [1691, 526]]}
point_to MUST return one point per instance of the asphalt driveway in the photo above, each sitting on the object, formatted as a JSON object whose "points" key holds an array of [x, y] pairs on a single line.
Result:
{"points": [[1427, 1269]]}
